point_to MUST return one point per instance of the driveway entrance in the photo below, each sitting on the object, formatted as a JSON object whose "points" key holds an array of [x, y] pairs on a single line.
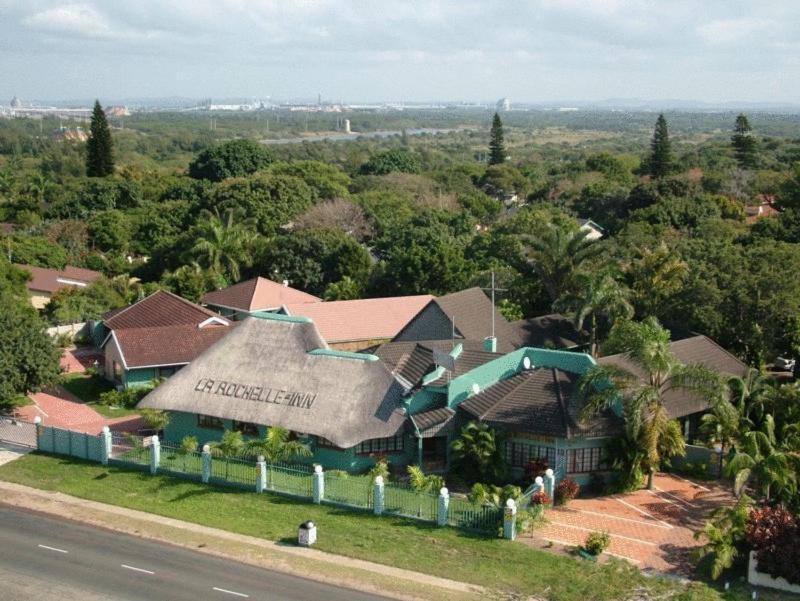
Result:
{"points": [[651, 529]]}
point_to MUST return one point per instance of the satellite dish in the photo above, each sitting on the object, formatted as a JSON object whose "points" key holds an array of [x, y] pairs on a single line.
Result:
{"points": [[476, 388], [526, 362]]}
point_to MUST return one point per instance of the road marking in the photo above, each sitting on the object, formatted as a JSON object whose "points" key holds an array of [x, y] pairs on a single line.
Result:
{"points": [[700, 486], [643, 512], [675, 497], [223, 590], [616, 517], [135, 569], [566, 544], [635, 540], [53, 549]]}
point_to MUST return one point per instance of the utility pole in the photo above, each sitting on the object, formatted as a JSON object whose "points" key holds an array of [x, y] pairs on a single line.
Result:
{"points": [[494, 290]]}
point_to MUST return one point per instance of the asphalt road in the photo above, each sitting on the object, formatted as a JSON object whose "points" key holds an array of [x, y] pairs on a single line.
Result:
{"points": [[43, 558]]}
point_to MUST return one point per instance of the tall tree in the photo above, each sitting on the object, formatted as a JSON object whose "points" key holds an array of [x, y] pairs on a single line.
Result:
{"points": [[744, 143], [99, 147], [223, 244], [659, 163], [497, 148], [556, 254], [641, 394], [597, 295]]}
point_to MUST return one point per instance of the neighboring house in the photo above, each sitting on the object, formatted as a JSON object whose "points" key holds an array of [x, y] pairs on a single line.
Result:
{"points": [[698, 349], [593, 231], [156, 337], [468, 315], [44, 283], [355, 325], [766, 208], [251, 296]]}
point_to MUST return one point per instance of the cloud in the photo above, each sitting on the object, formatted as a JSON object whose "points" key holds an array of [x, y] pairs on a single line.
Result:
{"points": [[81, 20], [734, 31]]}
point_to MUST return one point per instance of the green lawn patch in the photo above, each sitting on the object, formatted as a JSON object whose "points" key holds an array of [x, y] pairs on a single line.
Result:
{"points": [[400, 542], [89, 388]]}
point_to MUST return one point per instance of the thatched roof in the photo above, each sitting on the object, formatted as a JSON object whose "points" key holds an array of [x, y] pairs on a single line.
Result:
{"points": [[272, 372]]}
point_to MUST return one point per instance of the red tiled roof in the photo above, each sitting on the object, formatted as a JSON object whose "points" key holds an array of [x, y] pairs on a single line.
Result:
{"points": [[53, 280], [258, 294], [160, 309], [169, 345], [364, 319]]}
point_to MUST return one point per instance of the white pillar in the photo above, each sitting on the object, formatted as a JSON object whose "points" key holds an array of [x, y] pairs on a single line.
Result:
{"points": [[318, 489], [377, 496]]}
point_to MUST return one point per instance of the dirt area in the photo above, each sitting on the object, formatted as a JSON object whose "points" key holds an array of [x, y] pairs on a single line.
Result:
{"points": [[651, 529]]}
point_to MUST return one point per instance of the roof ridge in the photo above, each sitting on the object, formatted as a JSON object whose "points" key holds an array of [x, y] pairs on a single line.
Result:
{"points": [[186, 302]]}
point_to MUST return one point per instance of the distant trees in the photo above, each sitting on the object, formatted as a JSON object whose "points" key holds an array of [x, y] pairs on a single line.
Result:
{"points": [[659, 163], [236, 158], [400, 159], [99, 146], [744, 143], [497, 148]]}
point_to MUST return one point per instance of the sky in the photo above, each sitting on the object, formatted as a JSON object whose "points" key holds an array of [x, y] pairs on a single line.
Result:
{"points": [[402, 50]]}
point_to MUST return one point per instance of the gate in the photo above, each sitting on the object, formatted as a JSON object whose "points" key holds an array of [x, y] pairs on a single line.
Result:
{"points": [[18, 432]]}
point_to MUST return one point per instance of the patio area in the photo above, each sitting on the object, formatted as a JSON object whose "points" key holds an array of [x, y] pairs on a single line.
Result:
{"points": [[651, 529]]}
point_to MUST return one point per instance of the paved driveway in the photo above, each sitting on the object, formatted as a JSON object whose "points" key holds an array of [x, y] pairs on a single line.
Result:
{"points": [[651, 529]]}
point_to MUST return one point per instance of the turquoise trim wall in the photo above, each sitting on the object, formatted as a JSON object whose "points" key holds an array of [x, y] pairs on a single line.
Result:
{"points": [[186, 424], [138, 377]]}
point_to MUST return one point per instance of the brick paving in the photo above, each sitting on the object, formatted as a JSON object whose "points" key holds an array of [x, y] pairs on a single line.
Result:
{"points": [[652, 529], [58, 407], [77, 360]]}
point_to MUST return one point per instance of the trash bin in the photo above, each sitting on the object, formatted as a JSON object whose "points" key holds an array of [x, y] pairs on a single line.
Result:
{"points": [[307, 534]]}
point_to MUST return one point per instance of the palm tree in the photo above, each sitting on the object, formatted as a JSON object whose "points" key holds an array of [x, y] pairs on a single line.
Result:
{"points": [[655, 275], [760, 461], [188, 446], [424, 484], [639, 393], [724, 533], [478, 453], [229, 446], [557, 254], [597, 294], [37, 187], [223, 243], [276, 446]]}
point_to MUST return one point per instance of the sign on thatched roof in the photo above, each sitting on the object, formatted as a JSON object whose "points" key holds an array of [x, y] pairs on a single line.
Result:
{"points": [[265, 372]]}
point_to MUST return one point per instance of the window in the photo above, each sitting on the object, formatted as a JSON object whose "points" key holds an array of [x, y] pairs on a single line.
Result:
{"points": [[166, 372], [519, 454], [324, 442], [207, 421], [246, 428], [583, 460], [393, 444]]}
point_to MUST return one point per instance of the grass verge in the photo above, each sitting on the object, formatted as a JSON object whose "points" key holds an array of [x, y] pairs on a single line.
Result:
{"points": [[446, 552]]}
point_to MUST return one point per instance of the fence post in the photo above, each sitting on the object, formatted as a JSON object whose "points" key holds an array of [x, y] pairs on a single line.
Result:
{"points": [[37, 424], [155, 454], [105, 445], [206, 463], [318, 484], [444, 503], [377, 496], [261, 481], [510, 520], [538, 485], [550, 484]]}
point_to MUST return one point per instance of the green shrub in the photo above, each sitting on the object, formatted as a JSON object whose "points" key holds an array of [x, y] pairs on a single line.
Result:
{"points": [[597, 542]]}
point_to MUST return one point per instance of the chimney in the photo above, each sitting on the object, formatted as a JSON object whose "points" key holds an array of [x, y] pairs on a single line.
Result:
{"points": [[286, 283], [490, 344]]}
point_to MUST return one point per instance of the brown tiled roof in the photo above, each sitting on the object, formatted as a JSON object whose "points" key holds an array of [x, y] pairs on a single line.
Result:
{"points": [[258, 294], [53, 280], [412, 360], [434, 422], [539, 401], [364, 319], [167, 345], [472, 312], [697, 349], [160, 309], [548, 331]]}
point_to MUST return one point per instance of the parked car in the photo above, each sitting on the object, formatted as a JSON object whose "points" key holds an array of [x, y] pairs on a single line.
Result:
{"points": [[785, 363]]}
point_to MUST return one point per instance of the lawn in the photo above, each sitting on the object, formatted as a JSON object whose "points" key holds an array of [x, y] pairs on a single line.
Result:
{"points": [[447, 552], [88, 389]]}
